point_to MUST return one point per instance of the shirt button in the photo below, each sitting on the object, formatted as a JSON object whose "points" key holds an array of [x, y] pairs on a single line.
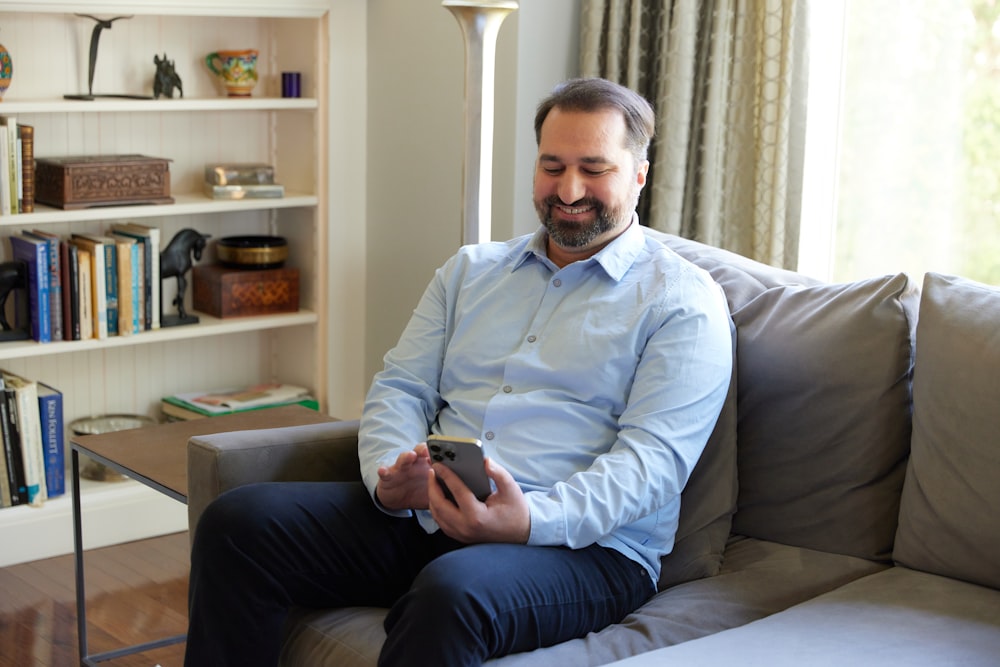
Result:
{"points": [[532, 339], [507, 389], [489, 435], [557, 282]]}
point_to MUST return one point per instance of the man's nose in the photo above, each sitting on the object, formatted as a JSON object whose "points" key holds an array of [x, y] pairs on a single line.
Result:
{"points": [[571, 187]]}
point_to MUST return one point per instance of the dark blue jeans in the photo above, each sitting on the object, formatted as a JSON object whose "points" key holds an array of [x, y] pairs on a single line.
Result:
{"points": [[261, 549]]}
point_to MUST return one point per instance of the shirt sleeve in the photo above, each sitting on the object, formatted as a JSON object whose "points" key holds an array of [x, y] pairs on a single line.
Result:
{"points": [[678, 391], [403, 399]]}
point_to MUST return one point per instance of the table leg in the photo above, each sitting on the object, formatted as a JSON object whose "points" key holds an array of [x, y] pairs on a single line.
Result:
{"points": [[81, 594]]}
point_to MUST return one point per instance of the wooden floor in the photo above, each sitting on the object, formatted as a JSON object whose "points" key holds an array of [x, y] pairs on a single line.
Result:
{"points": [[136, 592]]}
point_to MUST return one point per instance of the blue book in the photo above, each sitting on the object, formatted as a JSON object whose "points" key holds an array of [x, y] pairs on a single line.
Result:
{"points": [[55, 282], [34, 252], [50, 411]]}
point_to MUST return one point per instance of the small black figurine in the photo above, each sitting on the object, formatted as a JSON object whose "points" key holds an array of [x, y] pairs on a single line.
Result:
{"points": [[13, 276], [166, 78], [175, 260]]}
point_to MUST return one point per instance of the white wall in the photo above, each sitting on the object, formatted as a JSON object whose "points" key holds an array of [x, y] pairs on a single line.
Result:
{"points": [[415, 126]]}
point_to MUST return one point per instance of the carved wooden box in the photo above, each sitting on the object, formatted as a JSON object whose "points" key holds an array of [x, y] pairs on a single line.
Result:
{"points": [[225, 292], [102, 180]]}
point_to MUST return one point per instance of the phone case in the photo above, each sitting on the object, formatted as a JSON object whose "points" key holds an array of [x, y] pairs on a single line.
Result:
{"points": [[465, 457]]}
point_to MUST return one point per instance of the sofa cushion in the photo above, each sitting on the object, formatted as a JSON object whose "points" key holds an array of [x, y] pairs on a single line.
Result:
{"points": [[895, 617], [824, 413], [757, 579], [948, 516]]}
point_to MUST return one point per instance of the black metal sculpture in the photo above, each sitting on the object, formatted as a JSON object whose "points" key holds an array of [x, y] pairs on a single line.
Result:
{"points": [[166, 78], [95, 39], [13, 276], [176, 260]]}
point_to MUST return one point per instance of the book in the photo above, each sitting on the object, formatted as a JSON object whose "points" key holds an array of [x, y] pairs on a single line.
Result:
{"points": [[55, 281], [34, 253], [69, 259], [97, 283], [130, 284], [5, 456], [27, 168], [5, 208], [11, 165], [50, 412], [239, 399], [30, 430], [176, 412], [150, 237], [13, 463], [85, 292]]}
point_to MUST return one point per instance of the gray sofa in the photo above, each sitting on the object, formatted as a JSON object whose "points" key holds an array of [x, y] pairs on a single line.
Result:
{"points": [[844, 512]]}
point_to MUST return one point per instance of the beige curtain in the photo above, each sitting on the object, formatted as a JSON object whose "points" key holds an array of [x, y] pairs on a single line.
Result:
{"points": [[727, 80]]}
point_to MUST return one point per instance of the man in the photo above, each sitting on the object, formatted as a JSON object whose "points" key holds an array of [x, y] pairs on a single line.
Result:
{"points": [[591, 361]]}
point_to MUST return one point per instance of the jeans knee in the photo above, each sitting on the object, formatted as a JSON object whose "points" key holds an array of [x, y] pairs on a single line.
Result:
{"points": [[233, 517]]}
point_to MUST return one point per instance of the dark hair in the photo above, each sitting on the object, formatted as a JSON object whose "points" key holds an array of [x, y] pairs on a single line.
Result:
{"points": [[595, 94]]}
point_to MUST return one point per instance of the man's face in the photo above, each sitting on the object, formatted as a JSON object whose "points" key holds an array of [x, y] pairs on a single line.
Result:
{"points": [[586, 182]]}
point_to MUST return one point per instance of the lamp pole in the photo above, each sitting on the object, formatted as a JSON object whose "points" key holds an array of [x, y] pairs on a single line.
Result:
{"points": [[480, 22]]}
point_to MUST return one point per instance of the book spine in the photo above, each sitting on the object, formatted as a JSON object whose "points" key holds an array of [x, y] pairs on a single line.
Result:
{"points": [[6, 459], [12, 439], [35, 256], [123, 270], [71, 289], [29, 426], [50, 412], [55, 289], [27, 168], [13, 166], [111, 287]]}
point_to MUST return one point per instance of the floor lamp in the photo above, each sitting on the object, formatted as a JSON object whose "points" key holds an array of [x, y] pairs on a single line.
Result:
{"points": [[480, 23]]}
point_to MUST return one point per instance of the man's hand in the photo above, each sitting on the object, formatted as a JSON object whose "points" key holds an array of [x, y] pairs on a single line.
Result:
{"points": [[503, 517], [403, 485]]}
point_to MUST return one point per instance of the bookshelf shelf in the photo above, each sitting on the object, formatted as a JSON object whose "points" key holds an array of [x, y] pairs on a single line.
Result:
{"points": [[184, 205], [162, 105], [208, 326], [130, 374]]}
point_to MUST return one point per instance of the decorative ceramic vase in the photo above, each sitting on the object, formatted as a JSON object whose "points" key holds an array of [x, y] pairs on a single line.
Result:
{"points": [[237, 69], [6, 70]]}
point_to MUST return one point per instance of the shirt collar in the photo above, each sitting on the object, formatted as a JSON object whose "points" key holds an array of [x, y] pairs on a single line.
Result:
{"points": [[616, 258]]}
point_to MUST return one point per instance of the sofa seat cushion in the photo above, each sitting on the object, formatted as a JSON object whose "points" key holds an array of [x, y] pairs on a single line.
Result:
{"points": [[757, 579], [948, 516], [895, 617]]}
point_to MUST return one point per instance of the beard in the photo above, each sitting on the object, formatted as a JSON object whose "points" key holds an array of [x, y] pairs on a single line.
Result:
{"points": [[572, 234]]}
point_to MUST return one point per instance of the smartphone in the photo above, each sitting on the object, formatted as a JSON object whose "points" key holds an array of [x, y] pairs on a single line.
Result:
{"points": [[465, 457]]}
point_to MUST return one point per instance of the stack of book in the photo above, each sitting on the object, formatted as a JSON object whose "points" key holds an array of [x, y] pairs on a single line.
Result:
{"points": [[17, 167], [199, 404], [89, 285], [32, 468]]}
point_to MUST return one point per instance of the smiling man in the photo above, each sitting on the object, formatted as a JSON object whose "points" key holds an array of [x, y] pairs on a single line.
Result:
{"points": [[591, 361]]}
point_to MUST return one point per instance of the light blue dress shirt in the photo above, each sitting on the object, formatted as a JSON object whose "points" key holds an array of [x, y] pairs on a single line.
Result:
{"points": [[596, 385]]}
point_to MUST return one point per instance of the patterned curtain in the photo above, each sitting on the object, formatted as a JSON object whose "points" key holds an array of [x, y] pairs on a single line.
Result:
{"points": [[727, 80]]}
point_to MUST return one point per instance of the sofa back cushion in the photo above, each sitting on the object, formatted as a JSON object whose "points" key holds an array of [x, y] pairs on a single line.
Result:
{"points": [[948, 516], [823, 381], [824, 414]]}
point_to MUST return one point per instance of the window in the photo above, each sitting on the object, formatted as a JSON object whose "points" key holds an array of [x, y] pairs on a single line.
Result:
{"points": [[903, 139]]}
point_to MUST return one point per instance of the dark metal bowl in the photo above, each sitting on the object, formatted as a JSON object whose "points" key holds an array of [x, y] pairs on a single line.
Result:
{"points": [[252, 252]]}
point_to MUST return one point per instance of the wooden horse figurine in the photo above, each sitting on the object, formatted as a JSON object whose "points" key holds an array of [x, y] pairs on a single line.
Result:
{"points": [[176, 260]]}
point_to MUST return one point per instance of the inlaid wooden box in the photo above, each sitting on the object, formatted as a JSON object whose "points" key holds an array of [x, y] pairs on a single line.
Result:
{"points": [[82, 181], [225, 292]]}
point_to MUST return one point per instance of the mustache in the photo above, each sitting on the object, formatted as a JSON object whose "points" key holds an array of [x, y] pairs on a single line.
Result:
{"points": [[554, 200]]}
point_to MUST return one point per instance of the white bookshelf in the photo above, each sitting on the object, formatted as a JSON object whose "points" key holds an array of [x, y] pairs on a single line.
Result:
{"points": [[49, 46]]}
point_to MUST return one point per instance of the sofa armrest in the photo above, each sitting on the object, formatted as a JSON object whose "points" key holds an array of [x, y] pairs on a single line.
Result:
{"points": [[313, 452]]}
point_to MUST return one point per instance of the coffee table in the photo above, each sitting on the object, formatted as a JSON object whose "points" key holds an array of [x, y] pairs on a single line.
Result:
{"points": [[157, 457]]}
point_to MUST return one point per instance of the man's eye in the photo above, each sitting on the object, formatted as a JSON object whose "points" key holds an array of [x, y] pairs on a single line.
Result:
{"points": [[595, 172], [552, 171]]}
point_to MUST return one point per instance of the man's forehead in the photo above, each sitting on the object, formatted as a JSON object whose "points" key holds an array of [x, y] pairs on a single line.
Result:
{"points": [[590, 136]]}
